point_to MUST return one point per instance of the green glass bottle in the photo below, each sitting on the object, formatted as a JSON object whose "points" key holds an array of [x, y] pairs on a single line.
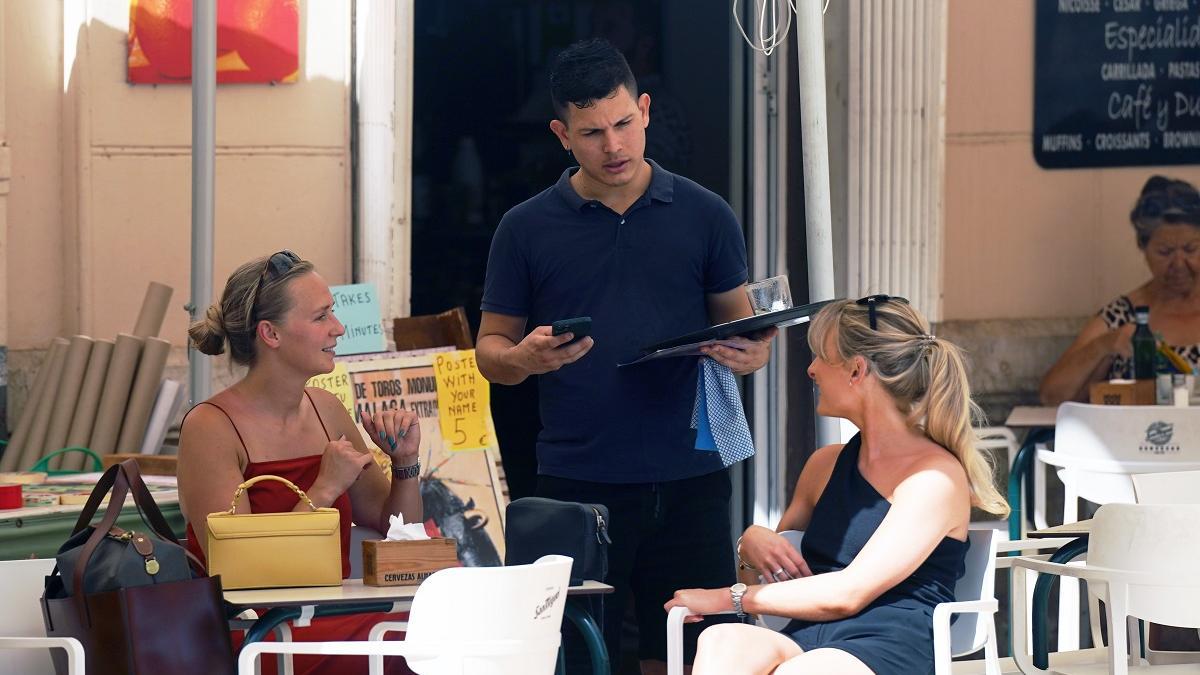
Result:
{"points": [[1144, 346]]}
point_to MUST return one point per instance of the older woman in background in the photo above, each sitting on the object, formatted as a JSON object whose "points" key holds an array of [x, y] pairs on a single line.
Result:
{"points": [[1166, 219]]}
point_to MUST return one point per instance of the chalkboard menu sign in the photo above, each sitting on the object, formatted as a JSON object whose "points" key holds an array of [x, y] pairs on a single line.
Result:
{"points": [[1117, 83]]}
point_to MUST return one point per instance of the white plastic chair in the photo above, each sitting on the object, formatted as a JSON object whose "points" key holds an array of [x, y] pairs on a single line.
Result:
{"points": [[21, 584], [974, 593], [1097, 448], [1171, 487], [479, 620], [1142, 563]]}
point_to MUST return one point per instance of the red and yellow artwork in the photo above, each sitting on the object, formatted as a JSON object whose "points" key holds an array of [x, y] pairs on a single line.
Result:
{"points": [[257, 41]]}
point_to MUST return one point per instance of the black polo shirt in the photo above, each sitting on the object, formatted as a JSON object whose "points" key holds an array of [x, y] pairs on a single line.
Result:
{"points": [[643, 276]]}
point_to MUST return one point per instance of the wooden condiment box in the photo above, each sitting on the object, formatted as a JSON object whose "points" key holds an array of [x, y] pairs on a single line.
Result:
{"points": [[1123, 392], [406, 563]]}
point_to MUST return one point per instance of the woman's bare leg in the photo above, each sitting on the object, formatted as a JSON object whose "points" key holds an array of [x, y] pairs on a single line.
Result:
{"points": [[738, 649], [824, 662]]}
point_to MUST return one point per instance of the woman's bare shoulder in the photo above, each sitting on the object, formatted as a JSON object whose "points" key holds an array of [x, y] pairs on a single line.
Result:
{"points": [[208, 435], [329, 405], [818, 468], [937, 468]]}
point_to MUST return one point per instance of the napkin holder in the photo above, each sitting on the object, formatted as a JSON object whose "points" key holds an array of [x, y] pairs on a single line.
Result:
{"points": [[406, 563]]}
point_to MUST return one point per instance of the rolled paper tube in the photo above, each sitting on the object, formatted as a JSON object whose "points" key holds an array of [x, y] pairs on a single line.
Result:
{"points": [[115, 394], [35, 447], [154, 308], [84, 417], [12, 453], [141, 397], [68, 395]]}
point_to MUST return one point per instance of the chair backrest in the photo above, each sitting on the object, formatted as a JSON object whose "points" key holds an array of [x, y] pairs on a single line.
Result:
{"points": [[1100, 446], [1158, 542], [21, 584], [1170, 487], [969, 632], [521, 603], [450, 328], [997, 438]]}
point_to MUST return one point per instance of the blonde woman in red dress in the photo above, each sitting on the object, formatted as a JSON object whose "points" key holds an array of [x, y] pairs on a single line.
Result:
{"points": [[276, 318]]}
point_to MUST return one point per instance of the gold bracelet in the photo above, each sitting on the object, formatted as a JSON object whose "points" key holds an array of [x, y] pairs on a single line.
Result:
{"points": [[742, 564]]}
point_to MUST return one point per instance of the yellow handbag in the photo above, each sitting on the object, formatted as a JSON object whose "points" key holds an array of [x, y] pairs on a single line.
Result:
{"points": [[275, 550]]}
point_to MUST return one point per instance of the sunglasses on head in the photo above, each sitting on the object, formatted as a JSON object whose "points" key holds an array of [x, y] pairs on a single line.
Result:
{"points": [[871, 301], [278, 264], [1160, 204]]}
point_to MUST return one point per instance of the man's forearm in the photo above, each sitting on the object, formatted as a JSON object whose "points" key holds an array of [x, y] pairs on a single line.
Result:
{"points": [[496, 363]]}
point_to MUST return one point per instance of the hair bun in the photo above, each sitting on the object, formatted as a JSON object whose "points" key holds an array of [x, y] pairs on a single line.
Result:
{"points": [[208, 334]]}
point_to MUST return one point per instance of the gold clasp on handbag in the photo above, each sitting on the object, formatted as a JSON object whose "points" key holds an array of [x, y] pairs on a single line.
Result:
{"points": [[241, 489], [141, 543]]}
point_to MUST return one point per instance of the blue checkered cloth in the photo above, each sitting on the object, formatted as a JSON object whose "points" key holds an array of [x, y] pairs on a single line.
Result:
{"points": [[718, 416]]}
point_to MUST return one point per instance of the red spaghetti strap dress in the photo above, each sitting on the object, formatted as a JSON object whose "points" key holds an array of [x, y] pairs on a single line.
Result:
{"points": [[274, 497]]}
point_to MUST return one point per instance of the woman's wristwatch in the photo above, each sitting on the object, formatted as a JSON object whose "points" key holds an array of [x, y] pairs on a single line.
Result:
{"points": [[736, 592], [406, 472]]}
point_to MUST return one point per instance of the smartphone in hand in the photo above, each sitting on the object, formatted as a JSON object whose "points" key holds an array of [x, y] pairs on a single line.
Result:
{"points": [[580, 326]]}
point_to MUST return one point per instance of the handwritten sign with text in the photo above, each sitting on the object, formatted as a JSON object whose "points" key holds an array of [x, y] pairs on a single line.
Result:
{"points": [[462, 400], [357, 307], [1116, 83]]}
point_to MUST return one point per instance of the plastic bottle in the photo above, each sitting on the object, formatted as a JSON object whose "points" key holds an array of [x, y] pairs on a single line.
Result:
{"points": [[1144, 346]]}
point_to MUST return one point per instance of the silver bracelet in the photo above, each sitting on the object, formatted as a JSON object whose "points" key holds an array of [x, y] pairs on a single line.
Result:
{"points": [[742, 564], [406, 472]]}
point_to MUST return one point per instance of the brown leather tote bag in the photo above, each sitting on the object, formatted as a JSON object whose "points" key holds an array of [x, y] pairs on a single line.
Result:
{"points": [[143, 625]]}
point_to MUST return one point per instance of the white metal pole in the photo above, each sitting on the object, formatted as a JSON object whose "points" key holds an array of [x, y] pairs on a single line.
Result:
{"points": [[814, 131], [204, 93]]}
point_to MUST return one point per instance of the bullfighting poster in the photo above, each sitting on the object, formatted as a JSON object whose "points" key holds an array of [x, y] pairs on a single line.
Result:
{"points": [[460, 489]]}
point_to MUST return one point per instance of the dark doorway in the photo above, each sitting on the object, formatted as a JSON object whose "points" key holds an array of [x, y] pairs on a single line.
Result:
{"points": [[481, 142]]}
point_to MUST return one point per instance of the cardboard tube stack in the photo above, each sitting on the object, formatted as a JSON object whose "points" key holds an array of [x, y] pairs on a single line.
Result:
{"points": [[35, 447], [93, 393], [141, 398], [20, 435], [115, 395], [68, 394], [80, 432], [154, 309]]}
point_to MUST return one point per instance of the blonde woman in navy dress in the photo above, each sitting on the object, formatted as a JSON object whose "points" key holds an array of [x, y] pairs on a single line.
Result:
{"points": [[885, 515]]}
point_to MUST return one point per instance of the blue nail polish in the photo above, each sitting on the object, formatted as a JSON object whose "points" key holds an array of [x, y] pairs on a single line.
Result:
{"points": [[383, 435], [392, 442], [402, 433]]}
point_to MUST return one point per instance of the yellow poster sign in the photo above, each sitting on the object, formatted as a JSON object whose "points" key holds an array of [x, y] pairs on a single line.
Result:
{"points": [[338, 384], [462, 400]]}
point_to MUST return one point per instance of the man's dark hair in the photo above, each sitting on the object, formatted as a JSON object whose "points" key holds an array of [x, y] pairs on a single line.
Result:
{"points": [[586, 71]]}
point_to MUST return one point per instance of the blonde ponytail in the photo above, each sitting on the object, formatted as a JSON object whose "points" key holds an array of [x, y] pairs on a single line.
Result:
{"points": [[925, 375]]}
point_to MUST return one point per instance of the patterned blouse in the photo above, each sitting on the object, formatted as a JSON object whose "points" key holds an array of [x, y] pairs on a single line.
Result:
{"points": [[1120, 312]]}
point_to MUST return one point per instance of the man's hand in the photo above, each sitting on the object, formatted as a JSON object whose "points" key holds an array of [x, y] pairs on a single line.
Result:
{"points": [[745, 355], [540, 352]]}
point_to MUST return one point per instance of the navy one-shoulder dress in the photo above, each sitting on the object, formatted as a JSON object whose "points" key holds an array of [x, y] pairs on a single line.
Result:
{"points": [[894, 634]]}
